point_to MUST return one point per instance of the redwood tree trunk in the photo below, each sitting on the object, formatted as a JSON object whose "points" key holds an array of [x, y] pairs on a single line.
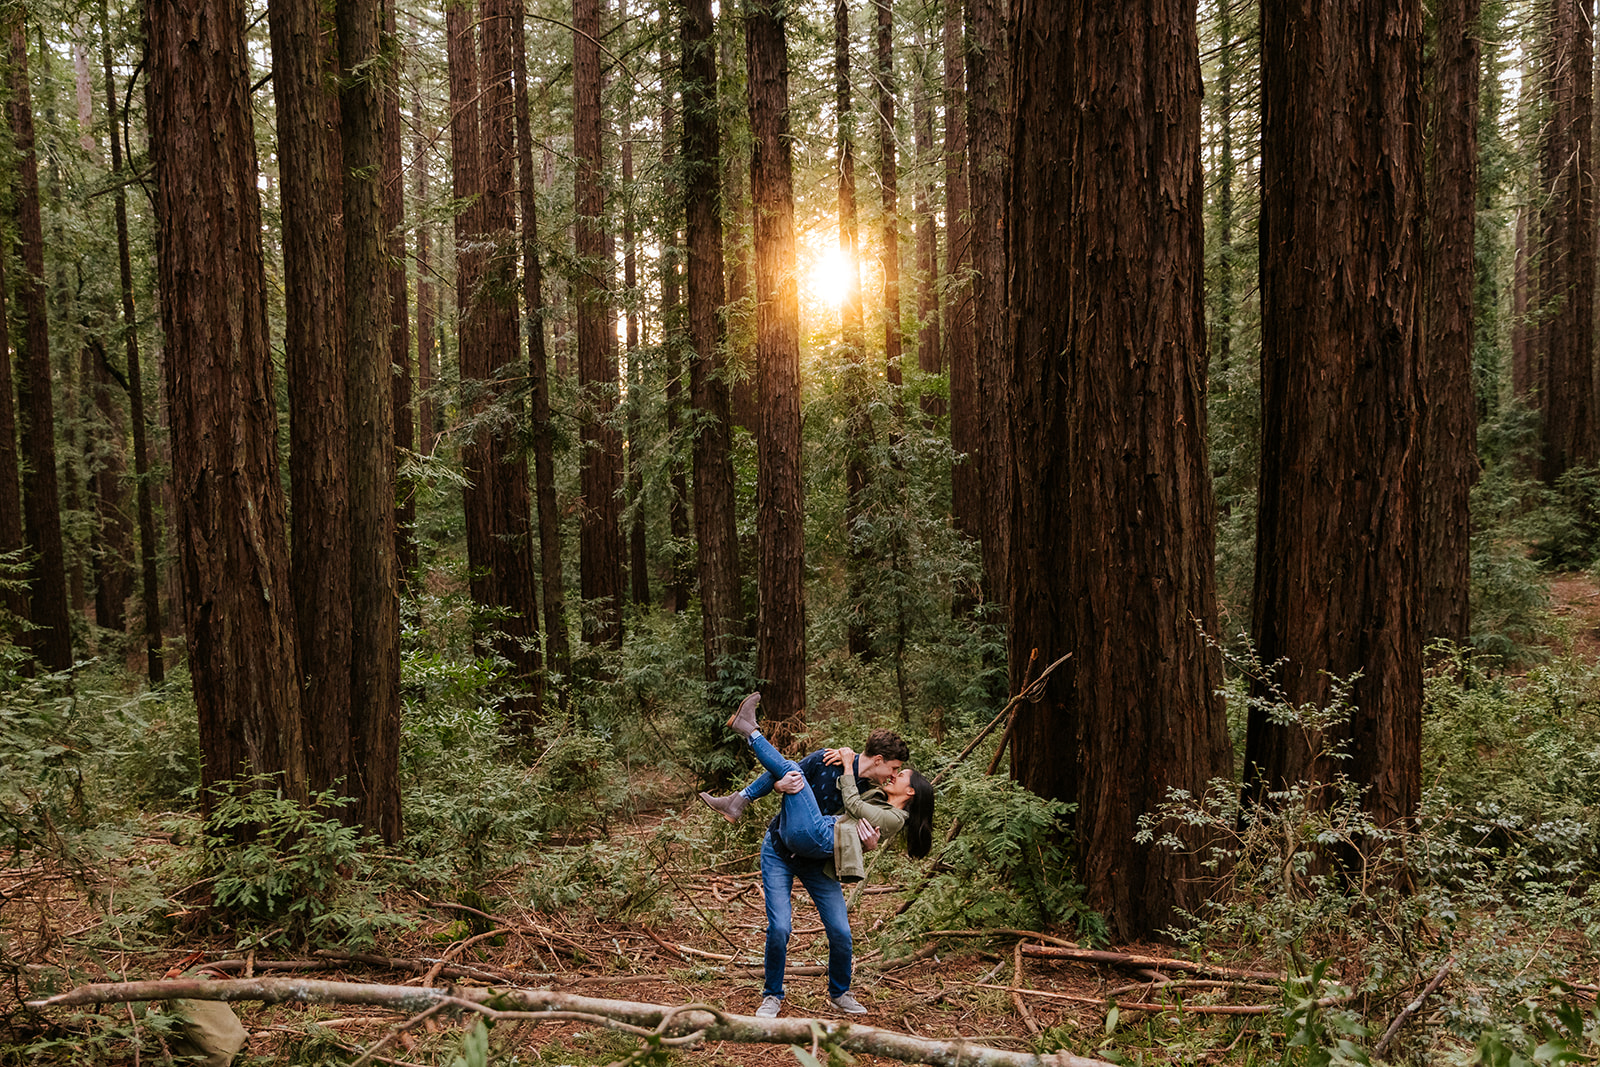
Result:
{"points": [[1113, 509], [229, 506], [13, 600], [966, 486], [557, 654], [930, 359], [1567, 262], [1449, 424], [987, 79], [889, 184], [674, 324], [369, 400], [427, 294], [600, 529], [311, 194], [780, 521], [113, 577], [51, 641], [149, 592], [1337, 588], [717, 541], [405, 436]]}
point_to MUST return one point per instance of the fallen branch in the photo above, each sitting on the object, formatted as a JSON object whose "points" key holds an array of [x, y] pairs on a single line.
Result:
{"points": [[487, 972], [1016, 996], [1005, 931], [1129, 959], [668, 1024], [457, 948], [1192, 1009], [1411, 1009], [1192, 983]]}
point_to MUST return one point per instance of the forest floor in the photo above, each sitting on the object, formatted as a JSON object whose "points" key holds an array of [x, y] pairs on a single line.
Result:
{"points": [[700, 940]]}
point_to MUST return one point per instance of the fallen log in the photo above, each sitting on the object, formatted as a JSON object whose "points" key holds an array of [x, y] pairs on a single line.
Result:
{"points": [[679, 1025]]}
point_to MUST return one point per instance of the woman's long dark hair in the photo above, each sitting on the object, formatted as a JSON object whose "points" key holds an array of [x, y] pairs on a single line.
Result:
{"points": [[919, 817]]}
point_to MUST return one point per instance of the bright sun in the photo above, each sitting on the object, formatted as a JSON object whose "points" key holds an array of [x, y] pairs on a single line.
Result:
{"points": [[829, 280]]}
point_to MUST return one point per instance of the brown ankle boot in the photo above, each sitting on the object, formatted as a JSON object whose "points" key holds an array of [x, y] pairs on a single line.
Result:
{"points": [[743, 721], [729, 807]]}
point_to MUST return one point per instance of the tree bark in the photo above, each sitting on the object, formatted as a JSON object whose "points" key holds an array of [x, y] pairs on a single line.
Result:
{"points": [[113, 575], [780, 521], [427, 293], [149, 589], [852, 326], [987, 77], [1112, 519], [1567, 261], [557, 654], [738, 229], [394, 217], [506, 465], [1449, 421], [51, 641], [13, 600], [600, 530], [966, 482], [674, 324], [930, 357], [310, 194], [1337, 588], [889, 186], [369, 412], [638, 555], [717, 540], [228, 502]]}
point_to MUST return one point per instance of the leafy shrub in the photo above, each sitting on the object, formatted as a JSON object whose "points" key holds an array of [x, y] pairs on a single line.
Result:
{"points": [[1570, 539], [1009, 866], [288, 872]]}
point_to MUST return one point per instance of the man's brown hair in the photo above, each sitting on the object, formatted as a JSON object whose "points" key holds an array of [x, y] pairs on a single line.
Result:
{"points": [[888, 744]]}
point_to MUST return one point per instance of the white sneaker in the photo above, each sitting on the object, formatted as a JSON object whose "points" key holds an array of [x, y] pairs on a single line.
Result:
{"points": [[770, 1006], [849, 1004]]}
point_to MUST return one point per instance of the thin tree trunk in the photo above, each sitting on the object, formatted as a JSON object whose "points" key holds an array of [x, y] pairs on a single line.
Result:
{"points": [[852, 326], [369, 400], [987, 120], [314, 361], [427, 293], [394, 190], [930, 358], [229, 504], [781, 637], [507, 467], [638, 557], [717, 540], [149, 587], [889, 184], [966, 484], [600, 537], [113, 577], [673, 327], [1337, 589], [51, 641], [1449, 424], [13, 599], [557, 653], [738, 249]]}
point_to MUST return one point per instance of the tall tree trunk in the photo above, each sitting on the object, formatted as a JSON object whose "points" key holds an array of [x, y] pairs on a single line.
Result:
{"points": [[507, 467], [738, 236], [369, 412], [13, 599], [229, 504], [1222, 317], [600, 530], [394, 217], [427, 293], [987, 78], [113, 577], [149, 588], [638, 557], [852, 327], [780, 522], [716, 537], [314, 360], [1112, 520], [930, 358], [674, 325], [966, 481], [1449, 422], [1522, 331], [1567, 265], [51, 641], [557, 653], [1337, 589], [889, 184]]}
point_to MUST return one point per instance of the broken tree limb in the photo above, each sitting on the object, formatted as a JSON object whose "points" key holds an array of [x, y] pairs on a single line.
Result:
{"points": [[1181, 1008], [1006, 931], [1016, 997], [668, 1023], [1411, 1009], [1129, 959]]}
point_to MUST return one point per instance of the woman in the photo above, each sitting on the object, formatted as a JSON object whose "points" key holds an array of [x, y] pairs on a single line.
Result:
{"points": [[805, 831]]}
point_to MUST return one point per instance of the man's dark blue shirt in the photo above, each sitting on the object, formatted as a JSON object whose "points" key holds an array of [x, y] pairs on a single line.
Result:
{"points": [[824, 780]]}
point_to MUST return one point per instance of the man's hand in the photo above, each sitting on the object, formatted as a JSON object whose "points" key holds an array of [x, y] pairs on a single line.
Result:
{"points": [[791, 783], [870, 835]]}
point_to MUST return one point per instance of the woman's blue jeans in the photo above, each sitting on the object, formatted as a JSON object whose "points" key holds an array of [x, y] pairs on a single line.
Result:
{"points": [[801, 824]]}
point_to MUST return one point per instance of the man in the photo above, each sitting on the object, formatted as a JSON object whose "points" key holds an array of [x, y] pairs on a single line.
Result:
{"points": [[880, 759]]}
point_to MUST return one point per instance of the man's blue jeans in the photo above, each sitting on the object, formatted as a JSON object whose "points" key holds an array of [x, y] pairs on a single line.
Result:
{"points": [[777, 884]]}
